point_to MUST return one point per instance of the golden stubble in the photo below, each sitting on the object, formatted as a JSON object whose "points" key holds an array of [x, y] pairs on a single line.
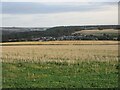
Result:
{"points": [[59, 53]]}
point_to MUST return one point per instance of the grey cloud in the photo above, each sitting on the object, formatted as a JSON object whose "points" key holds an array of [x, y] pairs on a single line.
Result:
{"points": [[42, 8]]}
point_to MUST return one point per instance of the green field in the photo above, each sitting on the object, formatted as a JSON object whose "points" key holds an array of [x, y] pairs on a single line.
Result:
{"points": [[60, 66], [60, 75], [97, 32]]}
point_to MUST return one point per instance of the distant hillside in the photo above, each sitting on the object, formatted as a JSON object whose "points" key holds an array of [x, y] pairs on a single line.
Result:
{"points": [[22, 29], [68, 30], [29, 33], [97, 32], [63, 30]]}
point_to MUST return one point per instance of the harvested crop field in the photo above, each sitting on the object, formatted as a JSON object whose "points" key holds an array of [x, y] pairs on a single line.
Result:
{"points": [[62, 43], [64, 53], [60, 66], [104, 31]]}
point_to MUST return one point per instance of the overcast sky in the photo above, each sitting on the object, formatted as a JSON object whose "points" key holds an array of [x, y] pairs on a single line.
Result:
{"points": [[48, 14]]}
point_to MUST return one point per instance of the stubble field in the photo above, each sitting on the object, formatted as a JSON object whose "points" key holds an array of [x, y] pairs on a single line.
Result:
{"points": [[60, 66]]}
